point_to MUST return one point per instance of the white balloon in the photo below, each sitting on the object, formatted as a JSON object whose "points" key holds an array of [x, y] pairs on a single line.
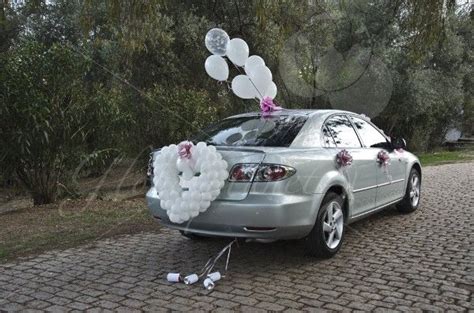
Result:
{"points": [[202, 208], [200, 146], [215, 193], [238, 51], [261, 78], [188, 174], [217, 67], [214, 185], [211, 158], [223, 174], [184, 216], [174, 217], [216, 41], [202, 187], [253, 62], [184, 206], [203, 205], [212, 149], [271, 91], [243, 87], [174, 194], [195, 195], [206, 196], [181, 165]]}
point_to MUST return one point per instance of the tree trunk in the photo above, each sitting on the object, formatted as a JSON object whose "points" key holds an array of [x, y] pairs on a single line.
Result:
{"points": [[43, 198], [43, 189]]}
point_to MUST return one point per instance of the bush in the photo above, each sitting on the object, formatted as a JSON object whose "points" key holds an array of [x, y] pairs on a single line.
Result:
{"points": [[48, 120]]}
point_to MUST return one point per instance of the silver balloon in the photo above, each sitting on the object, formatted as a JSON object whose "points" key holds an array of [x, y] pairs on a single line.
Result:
{"points": [[216, 41]]}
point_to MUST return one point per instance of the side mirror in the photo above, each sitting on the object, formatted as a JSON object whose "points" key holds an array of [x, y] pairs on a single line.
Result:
{"points": [[399, 143]]}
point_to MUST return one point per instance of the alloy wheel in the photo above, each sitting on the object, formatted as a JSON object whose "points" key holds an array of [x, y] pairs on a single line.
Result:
{"points": [[414, 190], [333, 224]]}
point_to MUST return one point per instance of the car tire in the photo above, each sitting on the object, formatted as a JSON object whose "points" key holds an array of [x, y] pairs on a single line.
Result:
{"points": [[411, 201], [327, 235], [192, 236]]}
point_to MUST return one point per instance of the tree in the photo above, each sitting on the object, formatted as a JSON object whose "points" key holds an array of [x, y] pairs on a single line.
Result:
{"points": [[45, 115]]}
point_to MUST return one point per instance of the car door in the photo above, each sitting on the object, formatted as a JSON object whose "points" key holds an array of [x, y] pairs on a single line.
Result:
{"points": [[390, 177], [361, 174]]}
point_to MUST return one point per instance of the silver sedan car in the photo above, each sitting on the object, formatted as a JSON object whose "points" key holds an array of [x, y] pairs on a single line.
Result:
{"points": [[286, 181]]}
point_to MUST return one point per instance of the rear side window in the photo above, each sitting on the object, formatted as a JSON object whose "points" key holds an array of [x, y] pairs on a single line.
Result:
{"points": [[271, 131], [328, 141], [342, 132], [369, 135]]}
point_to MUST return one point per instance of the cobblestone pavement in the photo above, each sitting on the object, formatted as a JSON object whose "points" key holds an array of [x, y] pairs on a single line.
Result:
{"points": [[417, 262]]}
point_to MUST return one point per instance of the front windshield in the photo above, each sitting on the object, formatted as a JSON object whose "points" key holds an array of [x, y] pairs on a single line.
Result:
{"points": [[271, 131]]}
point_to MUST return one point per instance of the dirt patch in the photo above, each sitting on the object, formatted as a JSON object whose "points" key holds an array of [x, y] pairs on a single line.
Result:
{"points": [[70, 223]]}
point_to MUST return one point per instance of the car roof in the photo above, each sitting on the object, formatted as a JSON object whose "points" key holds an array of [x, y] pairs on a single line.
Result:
{"points": [[297, 112]]}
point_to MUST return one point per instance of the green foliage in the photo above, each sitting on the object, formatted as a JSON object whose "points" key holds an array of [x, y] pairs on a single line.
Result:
{"points": [[172, 115], [47, 118]]}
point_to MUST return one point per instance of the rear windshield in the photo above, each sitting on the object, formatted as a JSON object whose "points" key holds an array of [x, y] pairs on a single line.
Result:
{"points": [[272, 131]]}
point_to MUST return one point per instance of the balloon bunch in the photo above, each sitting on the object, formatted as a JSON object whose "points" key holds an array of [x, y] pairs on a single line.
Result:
{"points": [[210, 279], [257, 80]]}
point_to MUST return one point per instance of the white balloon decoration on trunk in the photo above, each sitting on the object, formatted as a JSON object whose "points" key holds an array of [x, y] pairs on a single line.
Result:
{"points": [[238, 51], [217, 67], [182, 205]]}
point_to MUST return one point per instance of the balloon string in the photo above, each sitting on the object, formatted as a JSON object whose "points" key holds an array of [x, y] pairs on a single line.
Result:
{"points": [[213, 260]]}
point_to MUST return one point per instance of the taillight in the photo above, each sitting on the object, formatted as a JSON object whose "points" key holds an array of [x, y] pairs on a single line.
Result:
{"points": [[273, 172], [260, 173], [243, 172]]}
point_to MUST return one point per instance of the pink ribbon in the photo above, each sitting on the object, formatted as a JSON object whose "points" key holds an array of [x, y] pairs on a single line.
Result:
{"points": [[344, 158], [267, 106], [184, 149], [383, 157]]}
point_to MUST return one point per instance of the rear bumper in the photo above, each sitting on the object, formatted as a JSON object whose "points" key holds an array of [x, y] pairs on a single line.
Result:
{"points": [[260, 216]]}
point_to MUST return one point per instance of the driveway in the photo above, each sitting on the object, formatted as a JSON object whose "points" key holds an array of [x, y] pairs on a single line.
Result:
{"points": [[422, 261]]}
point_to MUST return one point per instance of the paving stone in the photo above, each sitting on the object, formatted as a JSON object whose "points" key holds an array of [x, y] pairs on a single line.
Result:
{"points": [[225, 303], [131, 303], [79, 306], [57, 309], [106, 304], [270, 306], [245, 300], [389, 262]]}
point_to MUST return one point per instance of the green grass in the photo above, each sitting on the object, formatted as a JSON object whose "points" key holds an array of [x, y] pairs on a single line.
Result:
{"points": [[444, 157], [68, 224]]}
